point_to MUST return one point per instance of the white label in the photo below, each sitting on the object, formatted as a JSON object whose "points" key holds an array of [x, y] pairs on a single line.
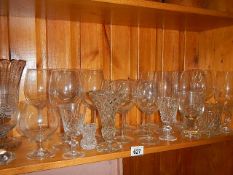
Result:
{"points": [[137, 150]]}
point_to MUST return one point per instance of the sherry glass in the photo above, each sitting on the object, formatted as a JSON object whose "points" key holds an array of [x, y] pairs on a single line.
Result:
{"points": [[71, 114], [64, 87], [167, 102], [146, 100], [224, 96], [36, 94]]}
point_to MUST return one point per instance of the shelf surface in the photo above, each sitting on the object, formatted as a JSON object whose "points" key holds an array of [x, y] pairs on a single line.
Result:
{"points": [[23, 165]]}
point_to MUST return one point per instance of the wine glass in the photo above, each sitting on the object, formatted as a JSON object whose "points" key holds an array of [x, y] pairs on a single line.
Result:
{"points": [[224, 96], [167, 102], [123, 88], [146, 101], [64, 87], [38, 125], [71, 114], [91, 80], [36, 94]]}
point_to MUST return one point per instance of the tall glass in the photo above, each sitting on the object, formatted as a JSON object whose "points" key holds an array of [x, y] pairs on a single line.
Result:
{"points": [[224, 96], [167, 102]]}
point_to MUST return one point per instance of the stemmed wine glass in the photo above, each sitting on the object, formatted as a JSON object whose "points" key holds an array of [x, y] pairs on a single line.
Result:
{"points": [[167, 102], [71, 114], [224, 97], [192, 96], [36, 124], [64, 87], [91, 80], [146, 101]]}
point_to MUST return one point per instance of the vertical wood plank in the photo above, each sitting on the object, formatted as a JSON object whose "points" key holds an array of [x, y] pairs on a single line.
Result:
{"points": [[4, 42]]}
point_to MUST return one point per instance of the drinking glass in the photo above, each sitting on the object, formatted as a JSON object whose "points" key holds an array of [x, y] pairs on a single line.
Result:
{"points": [[107, 103], [123, 88], [224, 96], [91, 80], [36, 93], [71, 114], [146, 101], [38, 126], [64, 87], [88, 141], [167, 102], [191, 106]]}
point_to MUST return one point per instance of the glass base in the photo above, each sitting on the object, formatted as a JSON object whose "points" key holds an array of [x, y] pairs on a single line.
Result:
{"points": [[226, 130], [73, 154], [108, 147], [124, 139], [7, 157], [191, 134], [148, 140], [10, 143], [170, 138], [40, 154]]}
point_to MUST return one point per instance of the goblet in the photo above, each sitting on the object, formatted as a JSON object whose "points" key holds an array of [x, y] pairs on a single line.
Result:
{"points": [[38, 126], [107, 102], [71, 114], [191, 106], [64, 87], [224, 96], [146, 100], [167, 102], [123, 88]]}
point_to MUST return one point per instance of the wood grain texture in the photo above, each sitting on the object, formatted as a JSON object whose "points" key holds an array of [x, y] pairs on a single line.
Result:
{"points": [[203, 160], [24, 165]]}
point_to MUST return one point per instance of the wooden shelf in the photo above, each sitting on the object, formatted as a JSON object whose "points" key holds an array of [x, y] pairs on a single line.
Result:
{"points": [[23, 165]]}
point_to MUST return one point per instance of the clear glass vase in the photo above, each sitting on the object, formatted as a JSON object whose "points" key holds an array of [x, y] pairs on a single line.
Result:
{"points": [[107, 103], [10, 76]]}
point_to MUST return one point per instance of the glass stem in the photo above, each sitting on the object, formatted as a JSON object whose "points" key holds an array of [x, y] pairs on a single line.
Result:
{"points": [[191, 124], [147, 127], [123, 122], [40, 147], [167, 130], [40, 118], [73, 145]]}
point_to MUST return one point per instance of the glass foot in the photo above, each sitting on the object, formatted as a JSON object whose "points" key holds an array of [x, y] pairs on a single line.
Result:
{"points": [[40, 155], [124, 139], [170, 138], [148, 140], [108, 147], [73, 154], [6, 157], [191, 134], [226, 130]]}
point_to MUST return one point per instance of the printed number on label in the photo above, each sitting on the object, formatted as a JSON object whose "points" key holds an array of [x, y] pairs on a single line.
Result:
{"points": [[137, 150]]}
